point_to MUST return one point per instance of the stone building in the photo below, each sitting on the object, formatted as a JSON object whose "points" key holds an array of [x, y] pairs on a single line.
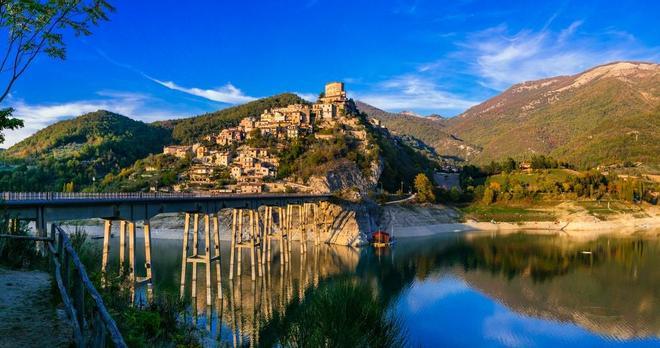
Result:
{"points": [[180, 151], [334, 93]]}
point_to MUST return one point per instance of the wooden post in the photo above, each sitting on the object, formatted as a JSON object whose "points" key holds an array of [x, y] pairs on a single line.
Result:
{"points": [[233, 244], [78, 293], [216, 247], [122, 245], [184, 254], [147, 258], [195, 253], [252, 235], [207, 256], [106, 250]]}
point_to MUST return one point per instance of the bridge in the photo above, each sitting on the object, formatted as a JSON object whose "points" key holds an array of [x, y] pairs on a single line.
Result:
{"points": [[42, 207], [257, 220]]}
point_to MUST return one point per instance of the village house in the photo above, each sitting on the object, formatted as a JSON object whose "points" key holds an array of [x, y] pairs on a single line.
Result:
{"points": [[325, 112], [180, 151], [223, 158], [236, 172], [249, 187], [200, 174], [199, 150], [229, 136]]}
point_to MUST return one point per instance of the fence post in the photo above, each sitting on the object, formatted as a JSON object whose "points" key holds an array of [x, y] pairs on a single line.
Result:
{"points": [[78, 293]]}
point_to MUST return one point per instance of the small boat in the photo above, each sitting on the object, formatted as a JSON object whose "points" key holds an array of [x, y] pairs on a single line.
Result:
{"points": [[381, 239]]}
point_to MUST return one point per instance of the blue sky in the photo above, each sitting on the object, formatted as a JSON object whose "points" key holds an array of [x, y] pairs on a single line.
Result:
{"points": [[166, 59]]}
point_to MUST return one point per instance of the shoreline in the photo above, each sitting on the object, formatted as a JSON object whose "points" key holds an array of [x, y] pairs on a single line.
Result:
{"points": [[649, 226]]}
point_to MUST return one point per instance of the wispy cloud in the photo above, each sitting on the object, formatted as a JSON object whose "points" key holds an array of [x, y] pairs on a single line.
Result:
{"points": [[37, 116], [500, 58], [310, 97], [413, 92], [226, 94]]}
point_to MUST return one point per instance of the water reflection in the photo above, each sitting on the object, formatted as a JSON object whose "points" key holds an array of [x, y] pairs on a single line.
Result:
{"points": [[493, 290]]}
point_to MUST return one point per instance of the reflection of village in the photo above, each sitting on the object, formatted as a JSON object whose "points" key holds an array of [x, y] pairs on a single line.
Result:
{"points": [[227, 155]]}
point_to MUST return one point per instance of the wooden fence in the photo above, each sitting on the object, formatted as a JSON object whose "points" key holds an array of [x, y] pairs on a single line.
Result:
{"points": [[92, 326]]}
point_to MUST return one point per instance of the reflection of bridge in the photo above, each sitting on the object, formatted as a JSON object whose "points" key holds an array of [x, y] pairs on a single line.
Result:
{"points": [[248, 305], [253, 228]]}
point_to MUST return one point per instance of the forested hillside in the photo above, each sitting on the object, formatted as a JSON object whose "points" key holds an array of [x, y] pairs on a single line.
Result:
{"points": [[189, 130], [79, 151]]}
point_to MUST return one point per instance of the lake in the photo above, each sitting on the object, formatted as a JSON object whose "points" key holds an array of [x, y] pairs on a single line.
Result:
{"points": [[472, 289]]}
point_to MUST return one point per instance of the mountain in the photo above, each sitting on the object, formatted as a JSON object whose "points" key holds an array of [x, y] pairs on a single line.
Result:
{"points": [[87, 135], [79, 150], [608, 114], [432, 130], [189, 130]]}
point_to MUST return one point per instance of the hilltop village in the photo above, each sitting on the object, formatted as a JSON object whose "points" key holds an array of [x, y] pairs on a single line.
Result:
{"points": [[253, 169]]}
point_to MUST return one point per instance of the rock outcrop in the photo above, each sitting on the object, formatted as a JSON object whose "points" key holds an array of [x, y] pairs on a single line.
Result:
{"points": [[344, 176]]}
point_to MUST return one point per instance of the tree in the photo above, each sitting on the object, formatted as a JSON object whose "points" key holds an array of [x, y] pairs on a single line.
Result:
{"points": [[34, 27], [489, 196], [424, 189], [509, 165]]}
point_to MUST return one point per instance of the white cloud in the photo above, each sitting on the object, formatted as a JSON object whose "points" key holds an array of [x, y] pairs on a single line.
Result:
{"points": [[413, 92], [499, 58], [226, 94], [433, 290], [310, 97], [38, 116]]}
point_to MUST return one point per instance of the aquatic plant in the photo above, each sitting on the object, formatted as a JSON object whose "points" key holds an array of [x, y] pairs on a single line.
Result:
{"points": [[341, 313]]}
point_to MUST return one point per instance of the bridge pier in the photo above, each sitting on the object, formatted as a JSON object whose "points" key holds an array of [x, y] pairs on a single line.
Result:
{"points": [[238, 243], [128, 227], [211, 244]]}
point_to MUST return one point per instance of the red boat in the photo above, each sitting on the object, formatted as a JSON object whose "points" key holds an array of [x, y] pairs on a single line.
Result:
{"points": [[381, 239]]}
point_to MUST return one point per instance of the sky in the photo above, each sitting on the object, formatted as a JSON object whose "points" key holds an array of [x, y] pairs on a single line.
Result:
{"points": [[165, 59]]}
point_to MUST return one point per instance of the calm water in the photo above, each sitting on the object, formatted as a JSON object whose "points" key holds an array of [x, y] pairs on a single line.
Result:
{"points": [[458, 290]]}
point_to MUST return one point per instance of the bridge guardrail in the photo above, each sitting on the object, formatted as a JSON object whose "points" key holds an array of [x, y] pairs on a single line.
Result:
{"points": [[28, 196]]}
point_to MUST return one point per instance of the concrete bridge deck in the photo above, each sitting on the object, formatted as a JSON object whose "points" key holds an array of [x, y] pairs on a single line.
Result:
{"points": [[44, 207]]}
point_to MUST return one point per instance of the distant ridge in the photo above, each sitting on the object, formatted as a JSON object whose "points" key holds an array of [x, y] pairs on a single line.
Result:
{"points": [[607, 114], [430, 129]]}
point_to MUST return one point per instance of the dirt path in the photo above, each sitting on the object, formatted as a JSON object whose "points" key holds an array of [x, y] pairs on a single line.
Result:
{"points": [[28, 317]]}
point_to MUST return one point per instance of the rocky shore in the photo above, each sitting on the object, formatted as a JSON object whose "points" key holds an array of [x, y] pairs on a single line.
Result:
{"points": [[351, 223]]}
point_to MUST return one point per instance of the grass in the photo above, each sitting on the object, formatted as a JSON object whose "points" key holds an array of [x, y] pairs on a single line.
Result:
{"points": [[555, 175], [341, 313], [604, 210], [504, 213]]}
